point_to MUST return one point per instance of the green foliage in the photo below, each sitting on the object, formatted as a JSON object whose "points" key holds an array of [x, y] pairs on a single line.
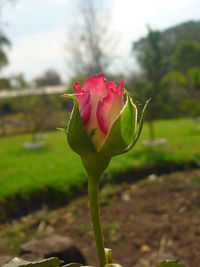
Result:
{"points": [[170, 60], [170, 264], [174, 85], [108, 253], [170, 39], [54, 262], [73, 265], [4, 43], [186, 56], [16, 262], [150, 57], [194, 78], [190, 106]]}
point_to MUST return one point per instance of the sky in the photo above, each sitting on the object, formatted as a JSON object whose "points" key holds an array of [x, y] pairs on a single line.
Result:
{"points": [[38, 29]]}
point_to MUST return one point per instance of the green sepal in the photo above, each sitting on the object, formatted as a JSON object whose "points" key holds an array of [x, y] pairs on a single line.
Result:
{"points": [[80, 142], [108, 253], [95, 164], [170, 264], [77, 136], [123, 130], [139, 129], [17, 262]]}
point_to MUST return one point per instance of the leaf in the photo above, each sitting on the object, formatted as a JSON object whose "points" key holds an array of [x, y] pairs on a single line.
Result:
{"points": [[108, 253], [139, 128], [76, 265], [170, 264], [17, 262], [123, 130], [77, 136], [61, 130], [73, 265]]}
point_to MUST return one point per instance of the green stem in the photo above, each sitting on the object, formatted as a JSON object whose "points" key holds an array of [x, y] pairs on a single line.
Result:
{"points": [[93, 188]]}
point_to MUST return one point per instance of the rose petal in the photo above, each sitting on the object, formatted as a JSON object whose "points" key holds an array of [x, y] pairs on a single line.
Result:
{"points": [[99, 103], [85, 113], [109, 109], [83, 100]]}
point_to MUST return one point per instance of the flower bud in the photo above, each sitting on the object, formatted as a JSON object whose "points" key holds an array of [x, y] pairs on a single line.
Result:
{"points": [[101, 124]]}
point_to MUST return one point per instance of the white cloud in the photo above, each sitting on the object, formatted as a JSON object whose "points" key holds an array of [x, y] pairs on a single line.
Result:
{"points": [[38, 29], [35, 53]]}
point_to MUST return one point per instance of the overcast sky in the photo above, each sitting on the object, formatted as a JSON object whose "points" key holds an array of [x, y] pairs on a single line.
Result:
{"points": [[38, 30]]}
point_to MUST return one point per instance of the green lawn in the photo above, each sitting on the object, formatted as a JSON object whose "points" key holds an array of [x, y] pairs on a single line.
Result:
{"points": [[56, 166]]}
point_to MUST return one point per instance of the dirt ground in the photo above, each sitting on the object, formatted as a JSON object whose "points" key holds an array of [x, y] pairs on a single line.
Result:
{"points": [[143, 223]]}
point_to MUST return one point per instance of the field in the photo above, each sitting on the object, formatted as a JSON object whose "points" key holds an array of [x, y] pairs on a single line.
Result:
{"points": [[156, 227], [56, 167]]}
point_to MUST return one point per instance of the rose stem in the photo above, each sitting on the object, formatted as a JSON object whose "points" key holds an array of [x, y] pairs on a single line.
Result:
{"points": [[93, 189]]}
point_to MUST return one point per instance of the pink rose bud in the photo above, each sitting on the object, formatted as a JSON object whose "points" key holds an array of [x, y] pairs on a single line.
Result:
{"points": [[101, 125], [100, 103]]}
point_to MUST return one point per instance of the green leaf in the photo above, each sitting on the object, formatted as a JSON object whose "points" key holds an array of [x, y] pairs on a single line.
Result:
{"points": [[77, 136], [123, 130], [16, 262], [61, 130], [76, 265], [73, 265], [170, 264], [108, 253], [139, 128]]}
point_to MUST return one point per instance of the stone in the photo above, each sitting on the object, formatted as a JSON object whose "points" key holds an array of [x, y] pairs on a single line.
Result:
{"points": [[145, 249], [155, 143], [152, 177], [34, 145], [52, 246]]}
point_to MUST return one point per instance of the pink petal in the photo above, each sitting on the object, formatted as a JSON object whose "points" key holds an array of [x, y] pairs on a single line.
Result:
{"points": [[108, 109], [85, 113], [77, 90], [96, 85], [100, 104], [83, 100]]}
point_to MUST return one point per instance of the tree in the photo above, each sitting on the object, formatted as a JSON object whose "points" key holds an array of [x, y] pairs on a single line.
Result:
{"points": [[4, 42], [194, 78], [176, 85], [186, 56], [90, 42], [150, 59], [49, 78], [170, 38]]}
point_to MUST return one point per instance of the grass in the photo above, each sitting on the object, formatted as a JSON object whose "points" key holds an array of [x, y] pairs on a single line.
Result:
{"points": [[56, 166]]}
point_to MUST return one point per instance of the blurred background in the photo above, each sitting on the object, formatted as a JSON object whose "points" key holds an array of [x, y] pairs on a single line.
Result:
{"points": [[154, 46]]}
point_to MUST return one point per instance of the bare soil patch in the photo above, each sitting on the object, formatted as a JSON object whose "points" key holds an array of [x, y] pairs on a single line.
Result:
{"points": [[158, 217]]}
